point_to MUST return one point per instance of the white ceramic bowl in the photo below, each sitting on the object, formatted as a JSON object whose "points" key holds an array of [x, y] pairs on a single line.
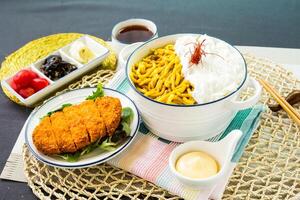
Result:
{"points": [[182, 123], [118, 45], [74, 97], [222, 151]]}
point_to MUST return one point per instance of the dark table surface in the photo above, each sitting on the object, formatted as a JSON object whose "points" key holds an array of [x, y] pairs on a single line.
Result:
{"points": [[254, 23]]}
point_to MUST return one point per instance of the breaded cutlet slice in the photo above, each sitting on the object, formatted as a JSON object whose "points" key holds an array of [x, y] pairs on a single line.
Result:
{"points": [[110, 109], [43, 137], [78, 131], [92, 120], [62, 132]]}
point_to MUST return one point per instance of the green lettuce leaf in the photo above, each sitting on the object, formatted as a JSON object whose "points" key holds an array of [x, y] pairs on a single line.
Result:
{"points": [[70, 157], [127, 115], [60, 109], [126, 128], [65, 105], [89, 148], [98, 93], [107, 145]]}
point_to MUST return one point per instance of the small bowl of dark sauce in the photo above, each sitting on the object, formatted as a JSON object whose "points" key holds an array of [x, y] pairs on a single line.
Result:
{"points": [[132, 31]]}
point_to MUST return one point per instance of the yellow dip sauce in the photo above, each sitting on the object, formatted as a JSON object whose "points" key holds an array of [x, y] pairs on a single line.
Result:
{"points": [[197, 164]]}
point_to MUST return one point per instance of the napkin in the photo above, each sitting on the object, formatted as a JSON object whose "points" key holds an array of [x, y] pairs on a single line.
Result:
{"points": [[147, 157]]}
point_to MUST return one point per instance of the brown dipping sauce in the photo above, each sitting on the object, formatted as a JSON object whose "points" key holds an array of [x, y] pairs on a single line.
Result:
{"points": [[134, 33]]}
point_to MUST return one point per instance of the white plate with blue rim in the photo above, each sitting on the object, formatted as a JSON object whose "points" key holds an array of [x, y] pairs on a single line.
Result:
{"points": [[98, 155]]}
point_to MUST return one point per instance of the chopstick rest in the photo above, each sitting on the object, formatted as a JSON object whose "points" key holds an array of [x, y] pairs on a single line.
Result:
{"points": [[281, 101], [292, 98]]}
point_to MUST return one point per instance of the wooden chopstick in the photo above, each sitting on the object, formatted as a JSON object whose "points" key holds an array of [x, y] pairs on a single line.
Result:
{"points": [[284, 104], [280, 97]]}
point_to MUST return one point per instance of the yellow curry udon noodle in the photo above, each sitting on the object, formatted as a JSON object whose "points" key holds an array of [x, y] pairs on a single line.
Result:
{"points": [[159, 77]]}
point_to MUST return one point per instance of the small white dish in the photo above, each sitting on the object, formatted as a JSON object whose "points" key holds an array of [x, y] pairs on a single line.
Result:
{"points": [[100, 51], [222, 151], [118, 45], [74, 97], [97, 49]]}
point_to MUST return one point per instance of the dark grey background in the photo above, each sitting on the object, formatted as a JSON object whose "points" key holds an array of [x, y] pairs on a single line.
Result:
{"points": [[250, 22]]}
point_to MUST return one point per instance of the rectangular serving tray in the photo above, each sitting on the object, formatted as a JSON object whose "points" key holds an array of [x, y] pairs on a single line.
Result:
{"points": [[99, 50]]}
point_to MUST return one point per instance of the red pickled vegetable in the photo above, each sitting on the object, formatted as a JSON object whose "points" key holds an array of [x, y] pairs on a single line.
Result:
{"points": [[14, 86], [23, 78], [26, 92], [39, 83]]}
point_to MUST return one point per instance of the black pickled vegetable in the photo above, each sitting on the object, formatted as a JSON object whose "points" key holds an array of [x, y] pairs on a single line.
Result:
{"points": [[55, 68]]}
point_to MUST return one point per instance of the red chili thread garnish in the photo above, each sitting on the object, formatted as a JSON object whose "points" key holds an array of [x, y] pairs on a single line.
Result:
{"points": [[196, 57]]}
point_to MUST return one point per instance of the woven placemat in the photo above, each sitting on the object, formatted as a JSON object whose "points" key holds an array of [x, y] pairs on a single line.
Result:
{"points": [[37, 49], [268, 169]]}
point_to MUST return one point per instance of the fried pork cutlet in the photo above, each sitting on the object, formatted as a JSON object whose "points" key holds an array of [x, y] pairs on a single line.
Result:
{"points": [[62, 132], [93, 122], [78, 126], [110, 109], [44, 139], [78, 131]]}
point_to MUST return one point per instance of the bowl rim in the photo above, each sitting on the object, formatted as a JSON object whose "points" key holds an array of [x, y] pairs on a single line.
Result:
{"points": [[179, 105], [125, 145]]}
